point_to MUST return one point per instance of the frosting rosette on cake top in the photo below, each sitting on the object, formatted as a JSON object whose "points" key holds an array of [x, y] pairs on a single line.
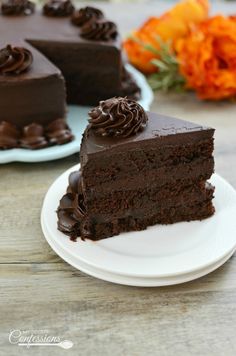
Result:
{"points": [[15, 60], [17, 7], [86, 14], [58, 8], [118, 117], [101, 30]]}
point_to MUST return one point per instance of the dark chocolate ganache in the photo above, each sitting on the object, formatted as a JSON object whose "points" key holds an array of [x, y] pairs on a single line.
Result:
{"points": [[17, 7], [82, 16], [58, 8], [15, 60], [118, 117]]}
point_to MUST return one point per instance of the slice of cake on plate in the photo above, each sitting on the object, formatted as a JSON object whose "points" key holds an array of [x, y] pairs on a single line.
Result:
{"points": [[137, 169]]}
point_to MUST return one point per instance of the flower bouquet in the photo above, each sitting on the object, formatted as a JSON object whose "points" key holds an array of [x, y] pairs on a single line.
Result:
{"points": [[185, 49]]}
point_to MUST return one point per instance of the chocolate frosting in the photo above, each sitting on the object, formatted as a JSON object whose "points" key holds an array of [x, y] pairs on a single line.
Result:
{"points": [[15, 60], [86, 14], [58, 132], [9, 135], [58, 8], [118, 117], [100, 30], [33, 137], [71, 211], [17, 7]]}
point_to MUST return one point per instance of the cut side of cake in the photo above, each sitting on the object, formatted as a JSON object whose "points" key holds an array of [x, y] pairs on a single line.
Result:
{"points": [[137, 169]]}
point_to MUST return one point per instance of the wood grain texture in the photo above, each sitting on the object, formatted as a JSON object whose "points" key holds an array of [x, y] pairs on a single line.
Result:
{"points": [[40, 291]]}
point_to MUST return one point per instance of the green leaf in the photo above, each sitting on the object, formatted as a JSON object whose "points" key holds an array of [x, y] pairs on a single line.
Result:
{"points": [[167, 77], [152, 49], [161, 65]]}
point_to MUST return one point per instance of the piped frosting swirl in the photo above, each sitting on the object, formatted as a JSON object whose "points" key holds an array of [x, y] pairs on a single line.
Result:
{"points": [[71, 211], [9, 135], [58, 8], [34, 136], [15, 60], [100, 30], [17, 7], [58, 132], [118, 117], [86, 14]]}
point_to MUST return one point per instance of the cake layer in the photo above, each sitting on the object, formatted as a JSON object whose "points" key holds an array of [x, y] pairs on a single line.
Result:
{"points": [[196, 170], [164, 206], [151, 156], [93, 230], [164, 216], [142, 201]]}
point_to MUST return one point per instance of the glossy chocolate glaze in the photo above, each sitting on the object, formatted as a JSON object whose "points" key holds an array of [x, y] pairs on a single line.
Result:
{"points": [[160, 128], [40, 27]]}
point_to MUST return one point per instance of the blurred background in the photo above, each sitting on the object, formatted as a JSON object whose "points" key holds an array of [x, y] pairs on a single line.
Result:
{"points": [[151, 1]]}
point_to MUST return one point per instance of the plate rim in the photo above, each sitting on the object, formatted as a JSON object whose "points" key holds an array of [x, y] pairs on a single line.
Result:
{"points": [[133, 281], [65, 176]]}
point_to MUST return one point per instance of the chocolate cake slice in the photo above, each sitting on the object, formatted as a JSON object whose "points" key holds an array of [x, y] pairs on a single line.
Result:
{"points": [[137, 169]]}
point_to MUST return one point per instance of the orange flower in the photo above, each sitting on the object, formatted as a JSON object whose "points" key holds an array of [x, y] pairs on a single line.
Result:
{"points": [[137, 54], [170, 26], [207, 58]]}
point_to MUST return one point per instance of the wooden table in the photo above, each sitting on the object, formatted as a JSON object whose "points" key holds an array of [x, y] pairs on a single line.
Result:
{"points": [[40, 291]]}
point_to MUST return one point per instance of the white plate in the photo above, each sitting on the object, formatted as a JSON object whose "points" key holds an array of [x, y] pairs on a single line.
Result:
{"points": [[77, 120], [158, 252], [127, 280]]}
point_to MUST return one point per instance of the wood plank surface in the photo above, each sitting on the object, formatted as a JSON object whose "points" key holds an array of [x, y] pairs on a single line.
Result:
{"points": [[38, 291]]}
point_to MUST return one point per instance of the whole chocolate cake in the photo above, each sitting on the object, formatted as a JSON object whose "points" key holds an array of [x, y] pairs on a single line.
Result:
{"points": [[51, 56], [137, 169]]}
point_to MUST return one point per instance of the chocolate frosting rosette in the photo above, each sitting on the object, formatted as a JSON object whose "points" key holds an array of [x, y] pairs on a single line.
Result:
{"points": [[118, 117], [15, 60]]}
